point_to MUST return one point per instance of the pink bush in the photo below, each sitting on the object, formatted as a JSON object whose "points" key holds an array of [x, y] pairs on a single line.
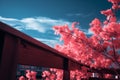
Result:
{"points": [[30, 75]]}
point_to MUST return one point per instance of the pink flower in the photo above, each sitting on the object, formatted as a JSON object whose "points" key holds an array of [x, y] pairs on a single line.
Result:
{"points": [[107, 12], [114, 1], [21, 78]]}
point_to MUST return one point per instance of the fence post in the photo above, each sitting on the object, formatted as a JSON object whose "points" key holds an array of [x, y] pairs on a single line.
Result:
{"points": [[66, 73], [1, 45], [8, 63]]}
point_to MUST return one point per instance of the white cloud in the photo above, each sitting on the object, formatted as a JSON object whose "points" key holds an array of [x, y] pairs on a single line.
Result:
{"points": [[50, 42], [13, 22], [40, 24], [33, 24], [87, 31], [7, 19], [18, 28], [80, 14]]}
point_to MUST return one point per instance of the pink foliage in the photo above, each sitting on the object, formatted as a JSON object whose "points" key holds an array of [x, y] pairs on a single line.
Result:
{"points": [[107, 12], [108, 76], [115, 3], [21, 78], [53, 74], [96, 26], [31, 75], [101, 50]]}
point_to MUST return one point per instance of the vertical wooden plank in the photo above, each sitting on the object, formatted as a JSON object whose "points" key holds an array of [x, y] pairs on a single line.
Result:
{"points": [[8, 65], [66, 73], [1, 44]]}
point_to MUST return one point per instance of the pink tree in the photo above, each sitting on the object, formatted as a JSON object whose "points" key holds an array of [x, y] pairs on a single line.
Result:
{"points": [[21, 78], [30, 75], [53, 74], [101, 49]]}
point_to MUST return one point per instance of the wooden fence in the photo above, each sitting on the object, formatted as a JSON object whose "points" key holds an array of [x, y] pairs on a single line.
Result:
{"points": [[18, 48]]}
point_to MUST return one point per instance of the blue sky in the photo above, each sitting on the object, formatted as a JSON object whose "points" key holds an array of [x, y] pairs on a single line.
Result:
{"points": [[37, 17]]}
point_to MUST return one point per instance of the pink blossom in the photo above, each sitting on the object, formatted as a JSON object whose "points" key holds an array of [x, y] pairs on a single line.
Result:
{"points": [[114, 1], [21, 78], [107, 12], [98, 51], [96, 26]]}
